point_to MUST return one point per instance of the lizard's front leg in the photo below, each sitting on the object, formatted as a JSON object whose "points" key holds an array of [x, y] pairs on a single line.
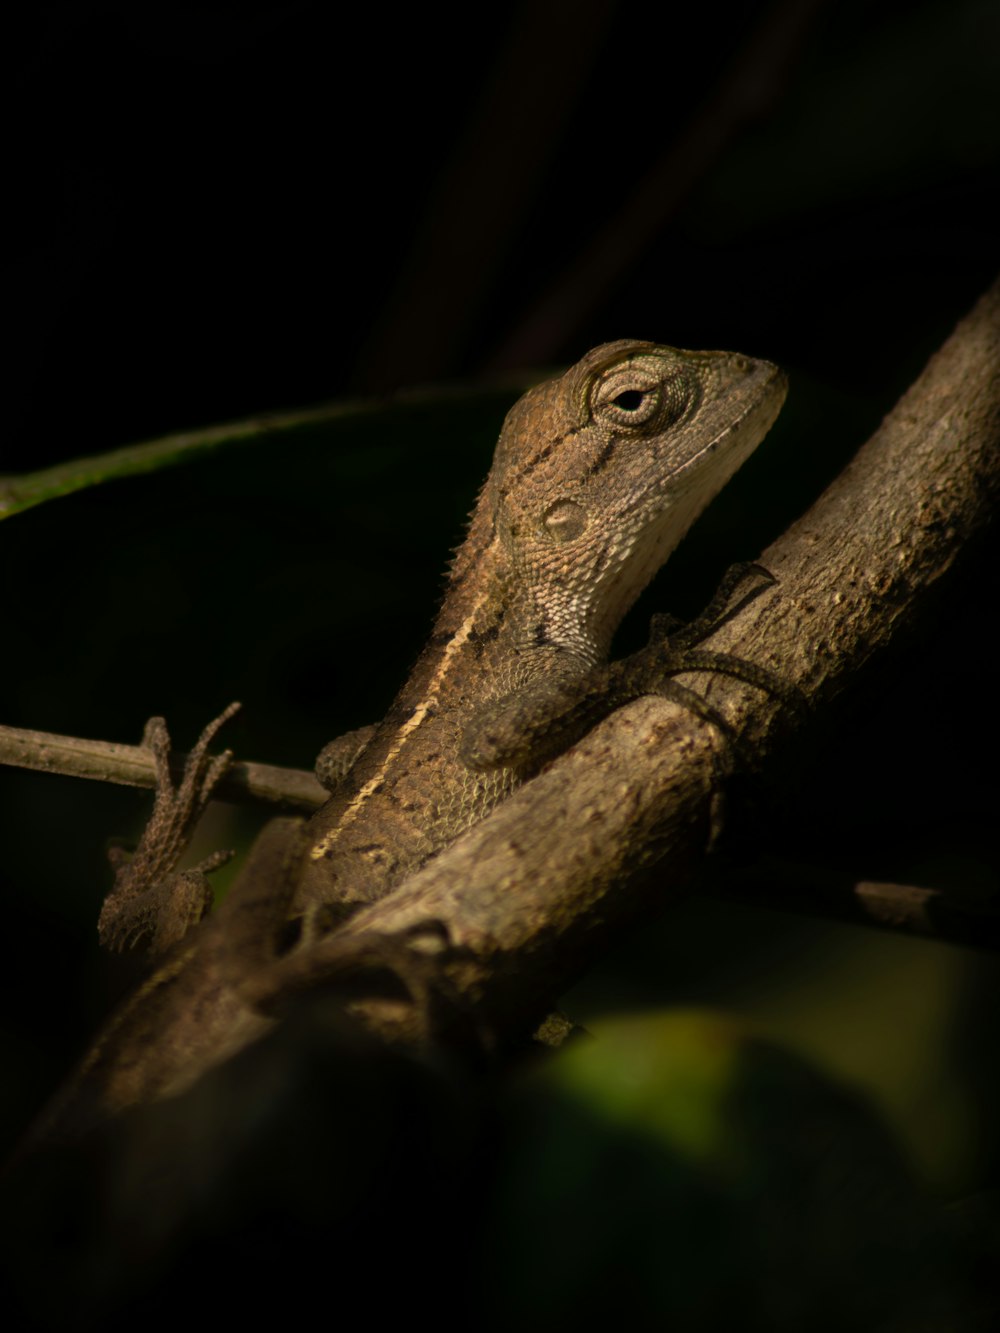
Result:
{"points": [[527, 729], [152, 902], [335, 759]]}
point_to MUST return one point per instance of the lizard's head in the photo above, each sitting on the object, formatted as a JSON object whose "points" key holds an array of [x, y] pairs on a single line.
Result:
{"points": [[599, 474]]}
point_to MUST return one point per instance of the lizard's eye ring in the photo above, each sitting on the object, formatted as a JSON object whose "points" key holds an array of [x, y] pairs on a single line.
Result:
{"points": [[623, 401], [630, 397]]}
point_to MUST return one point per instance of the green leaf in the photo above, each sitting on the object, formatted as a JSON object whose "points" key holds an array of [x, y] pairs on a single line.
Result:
{"points": [[24, 491], [677, 1171]]}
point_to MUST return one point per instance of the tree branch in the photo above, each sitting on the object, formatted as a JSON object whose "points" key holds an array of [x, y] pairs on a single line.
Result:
{"points": [[524, 902], [485, 936], [291, 790], [850, 573]]}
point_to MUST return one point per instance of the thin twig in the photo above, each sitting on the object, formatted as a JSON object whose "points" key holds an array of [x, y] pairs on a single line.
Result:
{"points": [[907, 909], [288, 790]]}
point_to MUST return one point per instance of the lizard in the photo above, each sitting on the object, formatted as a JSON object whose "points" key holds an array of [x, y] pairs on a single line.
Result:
{"points": [[597, 476]]}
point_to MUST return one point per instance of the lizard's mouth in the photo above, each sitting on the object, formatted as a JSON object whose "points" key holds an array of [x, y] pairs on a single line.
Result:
{"points": [[737, 441]]}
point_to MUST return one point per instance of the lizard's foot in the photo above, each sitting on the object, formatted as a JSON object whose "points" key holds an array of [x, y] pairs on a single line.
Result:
{"points": [[720, 609], [673, 650], [651, 671], [151, 901], [675, 644], [525, 729]]}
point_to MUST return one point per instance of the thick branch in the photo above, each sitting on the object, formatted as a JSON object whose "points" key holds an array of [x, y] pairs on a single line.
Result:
{"points": [[526, 897]]}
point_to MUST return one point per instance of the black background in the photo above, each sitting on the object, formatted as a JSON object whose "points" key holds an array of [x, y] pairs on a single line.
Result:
{"points": [[220, 210], [217, 209]]}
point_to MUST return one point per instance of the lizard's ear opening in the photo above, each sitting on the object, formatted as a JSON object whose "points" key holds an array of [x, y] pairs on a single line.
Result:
{"points": [[564, 520]]}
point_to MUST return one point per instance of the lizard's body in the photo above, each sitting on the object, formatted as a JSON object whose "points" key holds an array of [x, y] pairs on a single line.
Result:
{"points": [[407, 793], [530, 615], [596, 478]]}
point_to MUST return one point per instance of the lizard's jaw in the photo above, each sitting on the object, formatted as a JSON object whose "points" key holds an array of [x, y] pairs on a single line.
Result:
{"points": [[656, 523]]}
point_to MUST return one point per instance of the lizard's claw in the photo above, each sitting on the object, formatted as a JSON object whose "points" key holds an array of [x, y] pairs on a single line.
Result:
{"points": [[687, 634]]}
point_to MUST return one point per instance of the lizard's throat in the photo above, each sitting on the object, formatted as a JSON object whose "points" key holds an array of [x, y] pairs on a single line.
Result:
{"points": [[640, 557]]}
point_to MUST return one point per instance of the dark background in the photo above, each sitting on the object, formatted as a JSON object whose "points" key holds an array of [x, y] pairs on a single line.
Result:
{"points": [[218, 209], [222, 210]]}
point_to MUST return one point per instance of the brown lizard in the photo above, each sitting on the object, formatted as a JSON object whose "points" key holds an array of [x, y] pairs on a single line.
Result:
{"points": [[597, 476]]}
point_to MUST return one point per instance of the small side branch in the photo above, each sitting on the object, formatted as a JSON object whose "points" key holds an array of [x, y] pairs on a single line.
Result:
{"points": [[288, 790], [907, 909]]}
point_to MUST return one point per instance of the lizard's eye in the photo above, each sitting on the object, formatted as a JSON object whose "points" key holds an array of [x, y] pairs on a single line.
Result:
{"points": [[630, 400], [620, 401], [629, 396]]}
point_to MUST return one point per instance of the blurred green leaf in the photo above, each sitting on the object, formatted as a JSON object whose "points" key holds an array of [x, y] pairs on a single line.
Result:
{"points": [[678, 1169], [24, 491]]}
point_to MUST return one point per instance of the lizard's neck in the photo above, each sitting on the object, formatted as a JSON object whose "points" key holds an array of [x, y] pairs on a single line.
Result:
{"points": [[491, 635]]}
